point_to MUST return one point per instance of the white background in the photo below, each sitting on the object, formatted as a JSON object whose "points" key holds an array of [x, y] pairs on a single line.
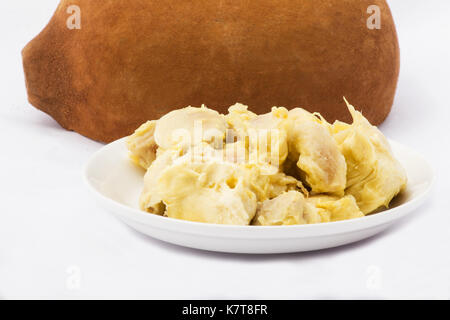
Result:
{"points": [[56, 242]]}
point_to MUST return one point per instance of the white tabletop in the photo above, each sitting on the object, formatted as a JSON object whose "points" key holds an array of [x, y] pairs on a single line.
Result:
{"points": [[56, 242]]}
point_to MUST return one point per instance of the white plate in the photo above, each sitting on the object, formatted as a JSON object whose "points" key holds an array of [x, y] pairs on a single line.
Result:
{"points": [[117, 184]]}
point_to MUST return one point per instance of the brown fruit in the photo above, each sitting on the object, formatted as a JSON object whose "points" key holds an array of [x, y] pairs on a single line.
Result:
{"points": [[135, 60]]}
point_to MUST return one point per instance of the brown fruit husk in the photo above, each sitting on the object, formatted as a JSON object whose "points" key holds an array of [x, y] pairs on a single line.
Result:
{"points": [[135, 60]]}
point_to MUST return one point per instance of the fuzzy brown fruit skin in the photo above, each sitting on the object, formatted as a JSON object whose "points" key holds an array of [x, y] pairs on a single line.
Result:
{"points": [[135, 60]]}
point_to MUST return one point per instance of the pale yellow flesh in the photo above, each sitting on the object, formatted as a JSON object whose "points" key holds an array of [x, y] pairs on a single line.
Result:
{"points": [[307, 171], [374, 176]]}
